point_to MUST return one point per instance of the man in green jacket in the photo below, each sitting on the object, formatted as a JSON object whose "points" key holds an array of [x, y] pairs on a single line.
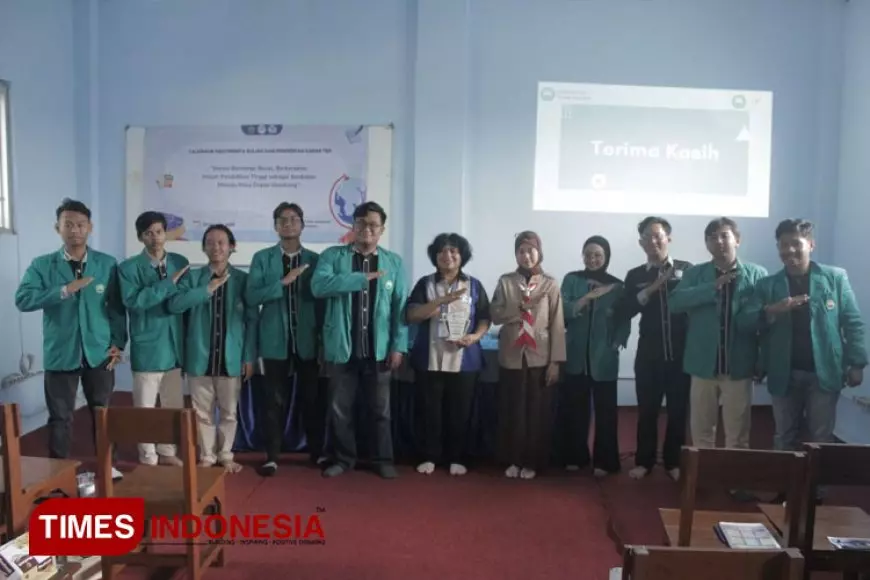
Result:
{"points": [[148, 281], [721, 358], [364, 336], [812, 337], [220, 345], [84, 326], [279, 280]]}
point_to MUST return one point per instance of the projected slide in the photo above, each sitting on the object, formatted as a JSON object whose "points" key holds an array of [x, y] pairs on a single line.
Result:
{"points": [[661, 150]]}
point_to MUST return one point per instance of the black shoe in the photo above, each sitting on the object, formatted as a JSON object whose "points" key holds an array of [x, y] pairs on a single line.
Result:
{"points": [[387, 471], [268, 469], [333, 471]]}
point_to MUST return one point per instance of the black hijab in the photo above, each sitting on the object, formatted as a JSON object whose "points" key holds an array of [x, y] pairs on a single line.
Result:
{"points": [[600, 275]]}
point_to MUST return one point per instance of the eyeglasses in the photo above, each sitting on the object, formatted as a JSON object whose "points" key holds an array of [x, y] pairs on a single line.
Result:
{"points": [[361, 225]]}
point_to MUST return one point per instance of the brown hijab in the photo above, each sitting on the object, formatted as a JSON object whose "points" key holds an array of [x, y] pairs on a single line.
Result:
{"points": [[532, 239]]}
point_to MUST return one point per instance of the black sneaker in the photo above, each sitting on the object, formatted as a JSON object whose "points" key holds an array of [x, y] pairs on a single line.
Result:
{"points": [[387, 471], [268, 469]]}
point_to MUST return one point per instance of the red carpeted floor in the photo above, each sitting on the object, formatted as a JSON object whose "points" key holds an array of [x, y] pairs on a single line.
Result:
{"points": [[479, 526]]}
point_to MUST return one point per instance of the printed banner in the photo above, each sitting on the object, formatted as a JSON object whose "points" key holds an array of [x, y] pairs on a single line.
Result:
{"points": [[198, 176]]}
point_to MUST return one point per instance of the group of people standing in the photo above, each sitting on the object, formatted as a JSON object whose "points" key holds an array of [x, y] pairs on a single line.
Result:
{"points": [[707, 331]]}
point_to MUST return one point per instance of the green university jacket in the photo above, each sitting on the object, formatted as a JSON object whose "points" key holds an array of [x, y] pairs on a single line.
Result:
{"points": [[335, 280], [241, 319], [156, 334], [264, 288], [600, 328], [835, 325], [85, 324], [696, 295]]}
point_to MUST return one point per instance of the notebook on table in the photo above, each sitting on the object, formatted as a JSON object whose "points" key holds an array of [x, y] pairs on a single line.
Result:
{"points": [[746, 536]]}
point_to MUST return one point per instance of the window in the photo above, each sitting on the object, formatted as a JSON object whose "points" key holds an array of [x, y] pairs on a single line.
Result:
{"points": [[5, 165]]}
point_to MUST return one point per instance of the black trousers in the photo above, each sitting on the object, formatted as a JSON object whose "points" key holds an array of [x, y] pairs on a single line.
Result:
{"points": [[60, 399], [278, 378], [578, 395], [345, 381], [444, 407], [657, 379]]}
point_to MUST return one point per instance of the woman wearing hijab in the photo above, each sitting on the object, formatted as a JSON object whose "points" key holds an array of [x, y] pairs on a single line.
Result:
{"points": [[592, 368], [531, 344], [452, 311]]}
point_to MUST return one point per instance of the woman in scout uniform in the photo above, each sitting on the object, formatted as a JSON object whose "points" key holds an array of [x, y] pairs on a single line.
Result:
{"points": [[812, 337], [83, 320], [531, 344], [592, 367], [279, 280], [721, 358], [220, 344], [452, 311], [148, 281], [364, 336]]}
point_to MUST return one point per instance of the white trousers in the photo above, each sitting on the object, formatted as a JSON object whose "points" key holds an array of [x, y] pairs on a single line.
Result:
{"points": [[206, 394], [147, 387], [736, 400]]}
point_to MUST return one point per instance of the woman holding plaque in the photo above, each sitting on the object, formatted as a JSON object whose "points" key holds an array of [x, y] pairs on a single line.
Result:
{"points": [[451, 310], [592, 369], [531, 344]]}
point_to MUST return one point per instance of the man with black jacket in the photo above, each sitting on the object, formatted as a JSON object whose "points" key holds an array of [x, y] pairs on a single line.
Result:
{"points": [[658, 364]]}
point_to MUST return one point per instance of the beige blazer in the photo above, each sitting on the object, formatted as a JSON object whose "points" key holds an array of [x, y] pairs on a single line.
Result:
{"points": [[549, 321]]}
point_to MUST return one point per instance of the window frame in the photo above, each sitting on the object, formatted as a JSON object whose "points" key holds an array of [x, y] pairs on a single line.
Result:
{"points": [[6, 223]]}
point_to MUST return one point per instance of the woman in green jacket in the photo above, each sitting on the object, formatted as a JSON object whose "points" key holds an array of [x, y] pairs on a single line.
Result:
{"points": [[592, 368]]}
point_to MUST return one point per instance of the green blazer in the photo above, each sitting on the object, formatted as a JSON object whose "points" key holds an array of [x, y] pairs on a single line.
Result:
{"points": [[696, 295], [156, 334], [85, 324], [335, 280], [264, 288], [835, 324], [241, 319], [605, 334]]}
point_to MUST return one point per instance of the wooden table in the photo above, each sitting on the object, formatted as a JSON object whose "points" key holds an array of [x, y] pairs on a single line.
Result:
{"points": [[704, 523], [834, 521], [831, 520], [40, 476], [40, 473]]}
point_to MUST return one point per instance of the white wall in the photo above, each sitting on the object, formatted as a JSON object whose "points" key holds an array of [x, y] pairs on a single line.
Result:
{"points": [[456, 77], [37, 57], [853, 195]]}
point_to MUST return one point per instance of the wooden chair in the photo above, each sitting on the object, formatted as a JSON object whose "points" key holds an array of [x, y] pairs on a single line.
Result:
{"points": [[27, 479], [167, 491], [668, 563], [835, 465], [727, 469]]}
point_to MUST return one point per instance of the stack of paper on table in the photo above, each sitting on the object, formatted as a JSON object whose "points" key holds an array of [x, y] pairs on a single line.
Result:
{"points": [[746, 536], [850, 543], [16, 563]]}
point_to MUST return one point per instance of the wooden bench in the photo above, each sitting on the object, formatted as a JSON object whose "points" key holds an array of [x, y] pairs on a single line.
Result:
{"points": [[672, 563], [27, 479], [167, 491]]}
